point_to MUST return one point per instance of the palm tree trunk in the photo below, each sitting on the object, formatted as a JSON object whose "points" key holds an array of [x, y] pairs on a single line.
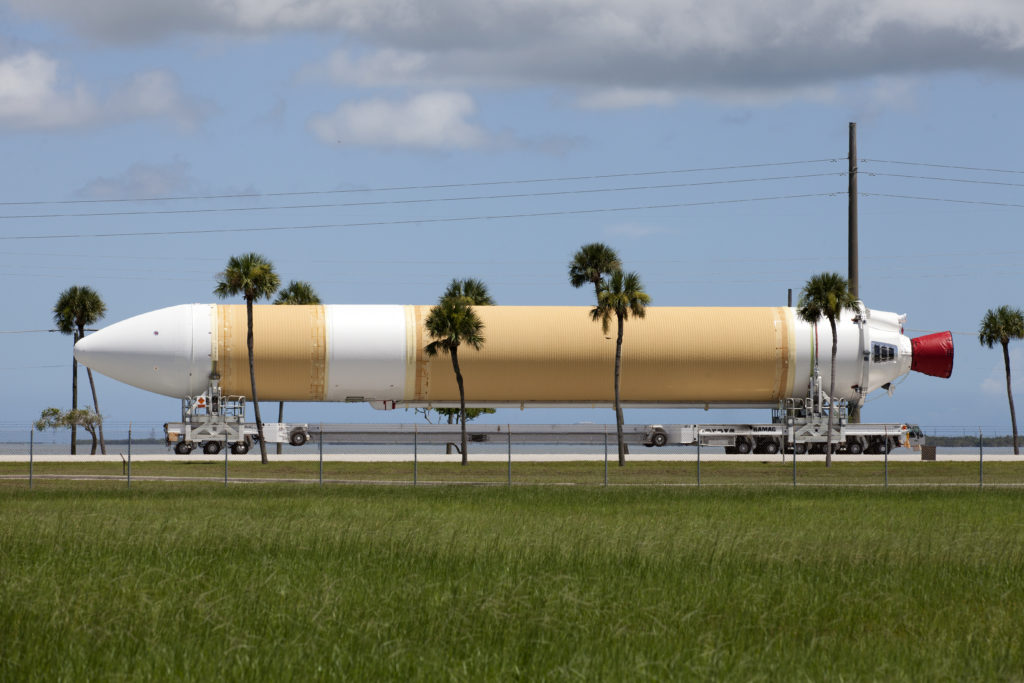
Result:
{"points": [[74, 395], [1009, 394], [280, 418], [618, 405], [462, 401], [831, 393], [252, 383], [96, 406]]}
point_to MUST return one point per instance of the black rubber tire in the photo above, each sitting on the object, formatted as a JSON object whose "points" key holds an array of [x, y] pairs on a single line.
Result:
{"points": [[770, 446], [211, 447], [800, 448], [659, 439], [854, 447], [240, 447], [298, 438], [742, 446], [182, 448]]}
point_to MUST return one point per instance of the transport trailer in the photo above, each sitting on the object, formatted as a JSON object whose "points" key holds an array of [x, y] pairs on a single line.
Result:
{"points": [[772, 438], [211, 420]]}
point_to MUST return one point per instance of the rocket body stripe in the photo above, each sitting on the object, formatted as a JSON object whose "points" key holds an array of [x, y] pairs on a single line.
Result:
{"points": [[366, 353], [542, 355]]}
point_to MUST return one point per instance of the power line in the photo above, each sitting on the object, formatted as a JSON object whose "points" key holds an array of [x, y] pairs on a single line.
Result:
{"points": [[424, 200], [254, 195], [929, 165], [947, 180], [939, 199], [416, 221]]}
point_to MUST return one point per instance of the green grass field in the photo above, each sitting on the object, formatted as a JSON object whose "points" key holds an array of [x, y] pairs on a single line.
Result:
{"points": [[197, 582]]}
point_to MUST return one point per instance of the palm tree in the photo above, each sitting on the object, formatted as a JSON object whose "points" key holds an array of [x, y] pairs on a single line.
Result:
{"points": [[252, 276], [591, 264], [827, 295], [77, 307], [296, 293], [452, 323], [472, 291], [623, 295], [1001, 325]]}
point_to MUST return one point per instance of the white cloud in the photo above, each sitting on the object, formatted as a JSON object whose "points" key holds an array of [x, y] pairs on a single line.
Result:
{"points": [[143, 180], [688, 47], [428, 121], [29, 96], [33, 97]]}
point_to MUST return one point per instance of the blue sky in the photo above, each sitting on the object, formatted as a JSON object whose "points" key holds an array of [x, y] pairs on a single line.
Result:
{"points": [[121, 100]]}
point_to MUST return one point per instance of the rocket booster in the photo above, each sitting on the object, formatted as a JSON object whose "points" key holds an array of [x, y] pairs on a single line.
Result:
{"points": [[532, 356]]}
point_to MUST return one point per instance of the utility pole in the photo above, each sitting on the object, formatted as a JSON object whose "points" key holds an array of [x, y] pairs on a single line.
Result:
{"points": [[852, 216], [851, 254]]}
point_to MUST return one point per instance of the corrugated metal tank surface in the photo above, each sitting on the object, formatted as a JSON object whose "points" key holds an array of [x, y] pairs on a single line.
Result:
{"points": [[557, 353], [289, 351]]}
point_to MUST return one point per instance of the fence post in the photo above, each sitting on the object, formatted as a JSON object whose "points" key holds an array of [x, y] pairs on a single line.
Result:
{"points": [[226, 449], [129, 455], [698, 457], [606, 455], [321, 454], [886, 432], [31, 457], [981, 458], [794, 458], [508, 433], [415, 454]]}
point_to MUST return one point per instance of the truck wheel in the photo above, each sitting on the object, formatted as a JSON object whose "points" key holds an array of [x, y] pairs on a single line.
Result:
{"points": [[854, 447], [240, 447], [742, 446], [297, 438], [659, 439], [211, 447], [770, 446], [183, 448], [800, 448]]}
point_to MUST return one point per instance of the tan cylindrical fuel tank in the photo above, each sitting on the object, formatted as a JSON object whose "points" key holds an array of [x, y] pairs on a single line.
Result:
{"points": [[549, 354]]}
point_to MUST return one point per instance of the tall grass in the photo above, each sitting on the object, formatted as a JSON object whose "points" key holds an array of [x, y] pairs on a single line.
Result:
{"points": [[200, 582]]}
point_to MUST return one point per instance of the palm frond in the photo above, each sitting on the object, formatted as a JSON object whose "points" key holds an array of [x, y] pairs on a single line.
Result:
{"points": [[1000, 325]]}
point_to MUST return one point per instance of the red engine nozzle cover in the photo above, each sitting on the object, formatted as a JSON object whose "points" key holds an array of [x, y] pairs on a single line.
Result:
{"points": [[933, 354]]}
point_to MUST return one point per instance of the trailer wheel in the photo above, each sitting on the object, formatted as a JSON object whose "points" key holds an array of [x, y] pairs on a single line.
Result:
{"points": [[297, 437], [183, 448], [770, 446], [659, 439], [742, 445], [240, 447], [854, 446], [211, 447]]}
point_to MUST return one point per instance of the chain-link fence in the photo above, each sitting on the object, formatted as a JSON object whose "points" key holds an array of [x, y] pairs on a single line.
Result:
{"points": [[964, 456]]}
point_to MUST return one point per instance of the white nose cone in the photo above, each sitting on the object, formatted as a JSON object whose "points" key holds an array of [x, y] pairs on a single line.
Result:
{"points": [[165, 351]]}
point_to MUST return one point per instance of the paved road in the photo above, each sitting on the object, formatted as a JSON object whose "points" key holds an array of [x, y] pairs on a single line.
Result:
{"points": [[644, 455]]}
